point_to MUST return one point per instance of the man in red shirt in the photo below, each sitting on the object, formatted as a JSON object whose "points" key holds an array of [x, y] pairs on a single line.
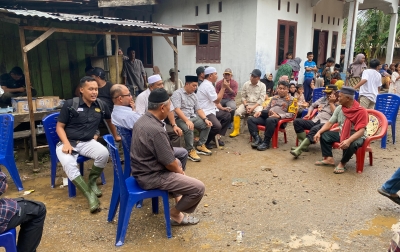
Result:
{"points": [[228, 100]]}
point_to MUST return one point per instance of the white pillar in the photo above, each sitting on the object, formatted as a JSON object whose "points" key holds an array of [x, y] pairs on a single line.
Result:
{"points": [[351, 32], [108, 45], [391, 39], [348, 35]]}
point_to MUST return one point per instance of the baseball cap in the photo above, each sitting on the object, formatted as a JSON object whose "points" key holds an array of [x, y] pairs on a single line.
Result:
{"points": [[172, 70], [256, 72], [200, 70], [99, 72], [228, 71]]}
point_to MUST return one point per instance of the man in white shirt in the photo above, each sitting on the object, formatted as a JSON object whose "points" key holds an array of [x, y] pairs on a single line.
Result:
{"points": [[370, 84], [174, 132], [169, 84], [209, 102]]}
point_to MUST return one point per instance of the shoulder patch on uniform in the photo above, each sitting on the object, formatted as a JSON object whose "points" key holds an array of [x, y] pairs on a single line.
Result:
{"points": [[97, 109]]}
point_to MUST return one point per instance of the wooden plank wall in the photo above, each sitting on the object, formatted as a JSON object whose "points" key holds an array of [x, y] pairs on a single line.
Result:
{"points": [[56, 65]]}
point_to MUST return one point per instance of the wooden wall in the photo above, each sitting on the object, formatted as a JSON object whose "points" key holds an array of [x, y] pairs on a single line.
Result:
{"points": [[56, 65]]}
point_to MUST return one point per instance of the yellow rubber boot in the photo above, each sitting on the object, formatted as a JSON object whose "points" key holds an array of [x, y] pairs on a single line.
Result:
{"points": [[236, 126]]}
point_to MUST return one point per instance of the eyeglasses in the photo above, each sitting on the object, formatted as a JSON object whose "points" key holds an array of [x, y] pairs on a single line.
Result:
{"points": [[122, 96]]}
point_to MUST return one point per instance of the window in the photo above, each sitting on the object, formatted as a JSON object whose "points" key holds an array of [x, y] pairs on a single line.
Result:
{"points": [[220, 7], [287, 32], [189, 38], [315, 18], [143, 47], [196, 12], [297, 8], [279, 4], [288, 6], [322, 19], [208, 48], [333, 21], [208, 8], [329, 20], [338, 21]]}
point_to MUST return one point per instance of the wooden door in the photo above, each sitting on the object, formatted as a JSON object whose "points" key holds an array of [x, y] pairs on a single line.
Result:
{"points": [[322, 47]]}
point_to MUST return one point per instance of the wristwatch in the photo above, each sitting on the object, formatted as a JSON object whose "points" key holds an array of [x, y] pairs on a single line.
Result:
{"points": [[173, 125]]}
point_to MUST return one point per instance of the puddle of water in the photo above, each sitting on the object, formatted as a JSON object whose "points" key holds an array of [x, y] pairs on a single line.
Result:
{"points": [[314, 239], [377, 226]]}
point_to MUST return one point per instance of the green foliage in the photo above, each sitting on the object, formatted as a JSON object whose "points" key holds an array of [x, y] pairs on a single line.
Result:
{"points": [[372, 32]]}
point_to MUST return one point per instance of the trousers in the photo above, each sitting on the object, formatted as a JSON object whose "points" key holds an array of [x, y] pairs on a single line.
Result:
{"points": [[181, 154], [220, 123], [30, 218], [241, 110], [366, 103], [330, 137], [191, 189], [270, 124], [231, 104], [301, 124], [91, 149], [200, 125], [392, 186]]}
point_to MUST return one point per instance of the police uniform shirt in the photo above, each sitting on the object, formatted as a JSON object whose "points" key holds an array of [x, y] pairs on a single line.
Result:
{"points": [[84, 126]]}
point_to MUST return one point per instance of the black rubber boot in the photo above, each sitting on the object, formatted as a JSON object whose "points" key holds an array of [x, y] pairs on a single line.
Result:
{"points": [[93, 176], [256, 140], [264, 145], [94, 202]]}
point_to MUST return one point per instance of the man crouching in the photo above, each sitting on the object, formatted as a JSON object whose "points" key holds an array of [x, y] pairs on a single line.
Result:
{"points": [[154, 165]]}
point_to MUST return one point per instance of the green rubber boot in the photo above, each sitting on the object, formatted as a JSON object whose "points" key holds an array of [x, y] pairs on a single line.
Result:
{"points": [[93, 176], [304, 145], [300, 136], [94, 202]]}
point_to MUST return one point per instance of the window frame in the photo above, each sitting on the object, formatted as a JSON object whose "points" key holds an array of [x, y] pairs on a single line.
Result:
{"points": [[287, 23], [209, 46]]}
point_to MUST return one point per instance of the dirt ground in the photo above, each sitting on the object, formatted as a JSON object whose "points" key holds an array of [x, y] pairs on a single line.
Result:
{"points": [[278, 203]]}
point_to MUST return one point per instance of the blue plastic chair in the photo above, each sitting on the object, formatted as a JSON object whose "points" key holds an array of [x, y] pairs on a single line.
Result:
{"points": [[317, 93], [126, 136], [388, 104], [356, 95], [7, 148], [49, 125], [8, 240], [130, 193]]}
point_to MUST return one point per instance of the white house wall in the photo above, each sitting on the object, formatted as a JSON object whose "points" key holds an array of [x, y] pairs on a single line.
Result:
{"points": [[332, 9], [267, 30], [238, 19]]}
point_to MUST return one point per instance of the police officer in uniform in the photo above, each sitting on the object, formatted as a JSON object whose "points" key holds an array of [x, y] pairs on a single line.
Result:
{"points": [[269, 117], [76, 129], [326, 105]]}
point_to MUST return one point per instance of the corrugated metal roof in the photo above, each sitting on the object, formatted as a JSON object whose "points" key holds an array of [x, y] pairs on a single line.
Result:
{"points": [[105, 21]]}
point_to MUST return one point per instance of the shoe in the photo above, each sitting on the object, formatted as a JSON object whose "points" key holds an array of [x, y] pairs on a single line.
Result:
{"points": [[202, 149], [230, 126], [209, 146], [93, 201], [236, 126], [221, 143], [264, 145], [256, 140], [304, 145], [192, 155], [93, 176]]}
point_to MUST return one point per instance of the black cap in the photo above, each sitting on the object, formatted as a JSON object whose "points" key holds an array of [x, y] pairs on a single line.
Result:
{"points": [[17, 71], [99, 72], [256, 72], [333, 87], [337, 66], [348, 90], [200, 70], [191, 78], [158, 95]]}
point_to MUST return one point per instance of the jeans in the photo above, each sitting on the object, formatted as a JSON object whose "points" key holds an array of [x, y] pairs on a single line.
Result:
{"points": [[392, 186], [200, 125]]}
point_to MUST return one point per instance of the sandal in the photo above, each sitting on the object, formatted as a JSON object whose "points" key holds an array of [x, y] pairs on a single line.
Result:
{"points": [[322, 163], [187, 220], [386, 194], [339, 170]]}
